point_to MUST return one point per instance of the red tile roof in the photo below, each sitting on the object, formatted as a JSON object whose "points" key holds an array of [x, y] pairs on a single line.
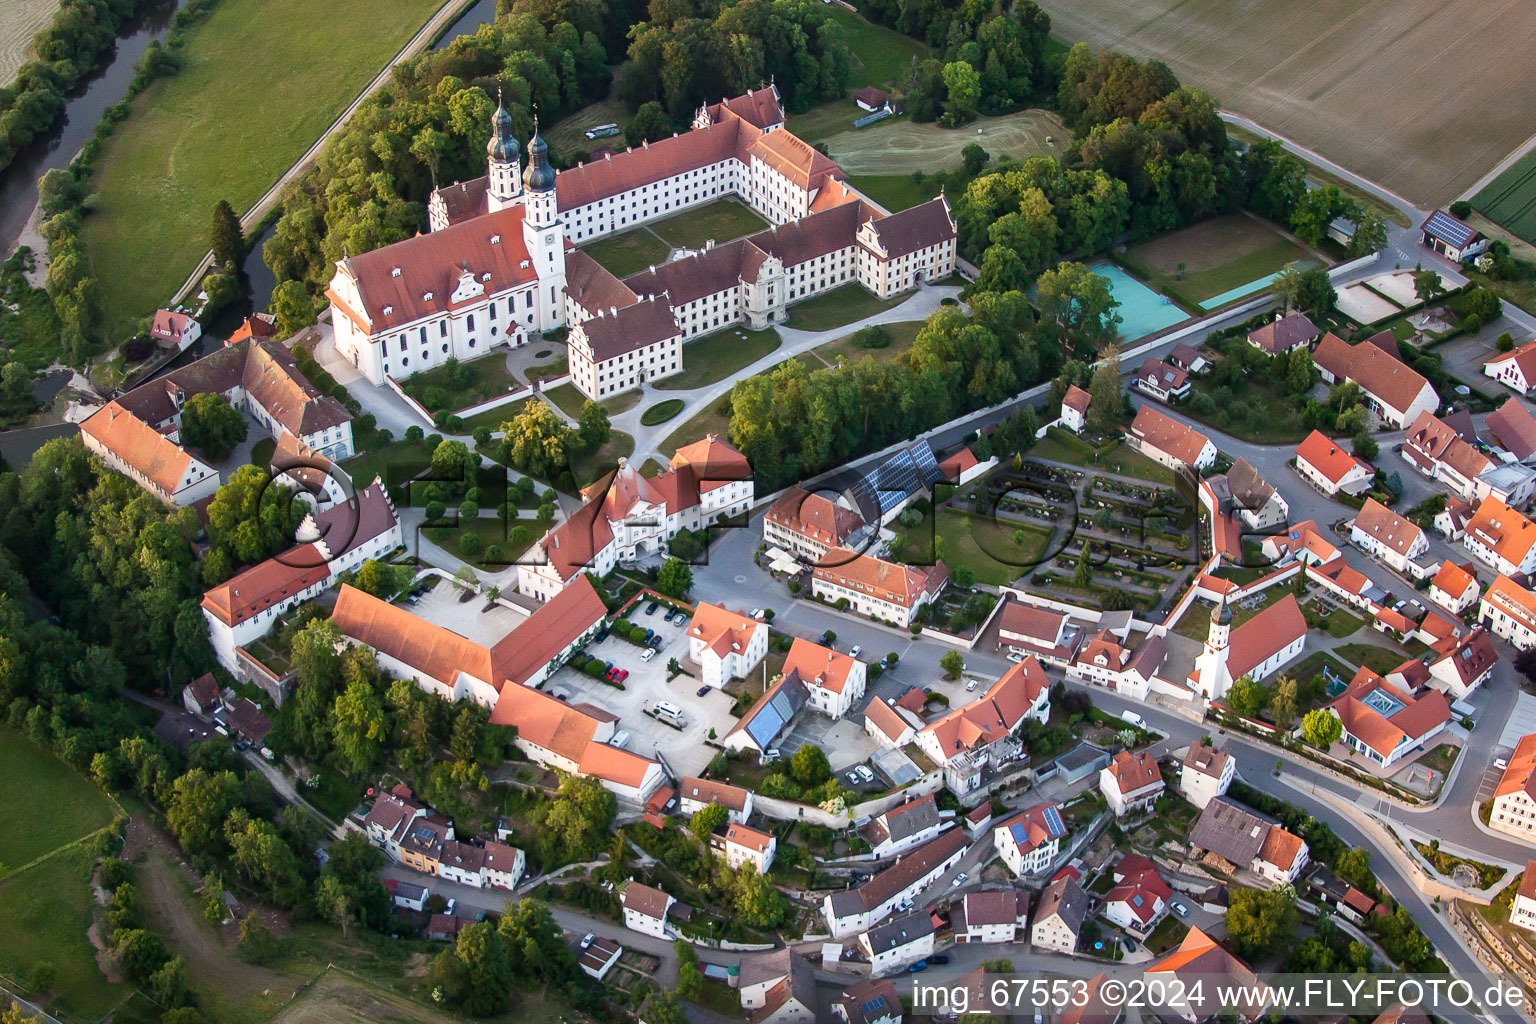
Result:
{"points": [[1167, 435], [1514, 427], [1503, 529], [888, 581], [1327, 457], [1133, 772], [819, 666], [140, 445], [1378, 373], [1386, 527], [1268, 632], [1417, 717]]}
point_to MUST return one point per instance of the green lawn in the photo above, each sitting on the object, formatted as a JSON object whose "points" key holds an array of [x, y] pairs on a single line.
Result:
{"points": [[406, 458], [1062, 446], [895, 192], [1337, 623], [881, 56], [219, 131], [629, 253], [45, 804], [590, 468], [1219, 254], [824, 121], [568, 135], [567, 399], [708, 421], [839, 307], [1378, 659], [454, 387], [494, 418], [661, 412], [844, 349], [972, 542], [490, 529], [1196, 621], [722, 221], [717, 356], [44, 914]]}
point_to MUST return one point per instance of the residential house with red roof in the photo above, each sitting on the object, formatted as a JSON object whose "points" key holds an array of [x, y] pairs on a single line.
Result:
{"points": [[1108, 661], [1514, 428], [989, 917], [872, 586], [1327, 466], [744, 845], [1029, 841], [1514, 797], [1454, 587], [1026, 630], [1516, 369], [1388, 537], [330, 542], [1205, 773], [1059, 915], [1238, 839], [1439, 451], [1462, 664], [174, 329], [835, 681], [1284, 333], [1395, 393], [1200, 958], [1522, 910], [695, 794], [1160, 380], [1131, 782], [902, 827], [1508, 610], [889, 724], [498, 264], [850, 911], [1257, 648], [726, 644], [778, 988], [1074, 409], [627, 515], [871, 1001], [1502, 538], [809, 525], [645, 908], [1139, 900], [1169, 442], [1383, 723], [974, 736]]}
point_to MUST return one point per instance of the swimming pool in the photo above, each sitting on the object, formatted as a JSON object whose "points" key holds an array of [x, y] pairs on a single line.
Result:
{"points": [[1142, 310]]}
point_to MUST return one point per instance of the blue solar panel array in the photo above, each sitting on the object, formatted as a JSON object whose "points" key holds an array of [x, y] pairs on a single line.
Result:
{"points": [[907, 472], [771, 718], [1053, 821], [869, 1006], [1443, 226], [1018, 833]]}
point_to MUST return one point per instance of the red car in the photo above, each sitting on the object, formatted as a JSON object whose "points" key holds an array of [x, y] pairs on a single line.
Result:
{"points": [[620, 674]]}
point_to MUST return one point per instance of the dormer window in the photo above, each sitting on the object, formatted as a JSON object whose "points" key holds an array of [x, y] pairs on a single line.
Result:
{"points": [[395, 272], [427, 297], [485, 276], [388, 310], [495, 239], [523, 265]]}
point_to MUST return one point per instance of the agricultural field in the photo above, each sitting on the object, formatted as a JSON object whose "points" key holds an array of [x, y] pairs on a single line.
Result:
{"points": [[1365, 84], [1510, 199], [20, 20], [1218, 256], [207, 134]]}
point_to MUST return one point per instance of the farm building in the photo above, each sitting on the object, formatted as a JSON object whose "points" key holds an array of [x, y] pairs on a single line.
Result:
{"points": [[1452, 237]]}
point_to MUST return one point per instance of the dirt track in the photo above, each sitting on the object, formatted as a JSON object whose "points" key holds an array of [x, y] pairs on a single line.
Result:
{"points": [[902, 147], [20, 20], [1421, 95]]}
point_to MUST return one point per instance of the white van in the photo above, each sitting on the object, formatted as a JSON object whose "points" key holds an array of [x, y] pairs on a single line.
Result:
{"points": [[1133, 718], [667, 709]]}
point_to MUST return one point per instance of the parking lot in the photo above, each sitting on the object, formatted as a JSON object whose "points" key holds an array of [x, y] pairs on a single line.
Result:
{"points": [[684, 750]]}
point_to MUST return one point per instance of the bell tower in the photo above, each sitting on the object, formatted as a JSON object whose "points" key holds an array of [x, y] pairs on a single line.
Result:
{"points": [[504, 185], [542, 231]]}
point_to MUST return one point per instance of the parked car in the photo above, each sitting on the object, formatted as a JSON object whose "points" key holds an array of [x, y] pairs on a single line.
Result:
{"points": [[702, 690], [756, 613], [620, 674], [853, 777], [608, 666], [587, 939], [960, 880], [939, 959], [1133, 718], [865, 774], [648, 654], [602, 635], [918, 968], [855, 651], [970, 686], [648, 634], [1178, 908], [650, 609], [654, 641]]}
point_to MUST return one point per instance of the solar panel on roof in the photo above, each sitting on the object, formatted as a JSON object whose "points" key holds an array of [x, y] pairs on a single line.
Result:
{"points": [[1446, 227], [869, 1006], [765, 725], [1053, 821], [1017, 831], [903, 474]]}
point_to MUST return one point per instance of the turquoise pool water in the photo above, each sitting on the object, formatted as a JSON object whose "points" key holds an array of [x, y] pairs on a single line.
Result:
{"points": [[1252, 286], [1142, 311]]}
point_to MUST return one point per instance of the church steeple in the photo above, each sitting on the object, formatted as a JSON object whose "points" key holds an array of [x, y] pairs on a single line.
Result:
{"points": [[504, 185]]}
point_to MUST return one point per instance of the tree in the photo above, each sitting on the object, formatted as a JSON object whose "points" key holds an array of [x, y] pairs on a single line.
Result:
{"points": [[478, 973], [1525, 664], [1079, 303], [225, 238], [1365, 446], [689, 981], [663, 1007], [706, 819], [593, 426], [962, 577], [1288, 286], [674, 578], [963, 86], [1482, 303], [379, 579], [973, 158], [1300, 375], [1247, 697], [210, 423], [198, 805], [576, 820], [1370, 236], [359, 726], [952, 664], [809, 766], [1321, 728], [1427, 284], [649, 124], [1282, 705], [452, 461], [1505, 342], [292, 307], [1259, 920], [1082, 576], [1105, 407]]}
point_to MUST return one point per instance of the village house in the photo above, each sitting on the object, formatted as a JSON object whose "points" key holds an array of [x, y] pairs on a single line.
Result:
{"points": [[1205, 773], [1160, 380], [1502, 538], [1383, 723], [504, 865], [877, 588], [1514, 797], [1168, 442], [645, 909], [695, 794], [1241, 839], [1131, 782], [1452, 237], [1516, 370], [890, 724], [871, 1001], [1508, 610], [898, 942], [1025, 630], [1074, 409], [744, 845], [809, 525], [1188, 359], [1329, 468], [628, 516], [409, 897], [833, 681], [1462, 664], [1028, 842], [174, 329], [725, 644], [1250, 497], [852, 911], [1201, 957], [778, 988], [1388, 537], [1138, 902], [1108, 662], [990, 918], [902, 827], [1522, 911], [1395, 393], [968, 739], [1454, 587], [1059, 916], [1284, 333], [1514, 428]]}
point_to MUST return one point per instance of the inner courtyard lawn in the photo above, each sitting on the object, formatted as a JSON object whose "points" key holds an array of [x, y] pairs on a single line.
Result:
{"points": [[223, 129], [721, 221], [717, 356], [628, 253]]}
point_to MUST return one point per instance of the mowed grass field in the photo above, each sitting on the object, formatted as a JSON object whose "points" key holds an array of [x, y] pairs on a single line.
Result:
{"points": [[227, 127], [20, 20], [1510, 199], [1218, 255], [881, 56], [44, 804], [1409, 94], [898, 143]]}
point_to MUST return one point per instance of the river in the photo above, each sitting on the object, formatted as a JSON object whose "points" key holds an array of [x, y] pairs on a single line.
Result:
{"points": [[85, 105]]}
